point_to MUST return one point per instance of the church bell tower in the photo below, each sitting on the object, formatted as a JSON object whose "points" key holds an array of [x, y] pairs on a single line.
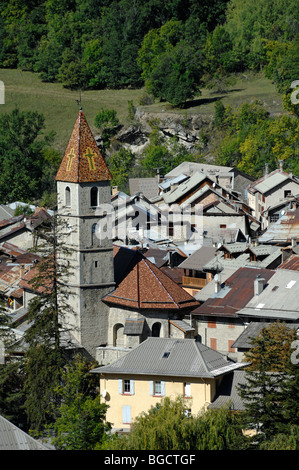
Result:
{"points": [[83, 187]]}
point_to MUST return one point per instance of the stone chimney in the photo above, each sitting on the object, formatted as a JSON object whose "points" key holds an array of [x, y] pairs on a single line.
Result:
{"points": [[266, 170], [217, 283], [259, 284], [280, 165]]}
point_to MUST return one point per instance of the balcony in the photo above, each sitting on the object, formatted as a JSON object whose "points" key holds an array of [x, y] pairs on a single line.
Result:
{"points": [[196, 282]]}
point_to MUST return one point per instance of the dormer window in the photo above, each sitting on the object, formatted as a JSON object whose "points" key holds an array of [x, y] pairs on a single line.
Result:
{"points": [[67, 197], [94, 196]]}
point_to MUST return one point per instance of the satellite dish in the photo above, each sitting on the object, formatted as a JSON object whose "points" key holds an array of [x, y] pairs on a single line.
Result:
{"points": [[104, 393]]}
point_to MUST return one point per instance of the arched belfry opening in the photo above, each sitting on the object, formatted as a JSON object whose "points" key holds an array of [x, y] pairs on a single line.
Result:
{"points": [[94, 196], [67, 196]]}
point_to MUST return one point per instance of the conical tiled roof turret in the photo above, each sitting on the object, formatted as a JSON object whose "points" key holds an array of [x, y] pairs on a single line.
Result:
{"points": [[82, 161]]}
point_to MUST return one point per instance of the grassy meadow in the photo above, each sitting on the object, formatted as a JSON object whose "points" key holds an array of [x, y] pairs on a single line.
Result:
{"points": [[59, 106]]}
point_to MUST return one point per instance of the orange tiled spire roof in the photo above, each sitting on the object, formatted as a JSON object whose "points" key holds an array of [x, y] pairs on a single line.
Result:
{"points": [[82, 161]]}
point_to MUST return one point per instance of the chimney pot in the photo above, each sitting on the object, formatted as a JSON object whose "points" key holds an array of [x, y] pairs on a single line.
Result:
{"points": [[259, 284]]}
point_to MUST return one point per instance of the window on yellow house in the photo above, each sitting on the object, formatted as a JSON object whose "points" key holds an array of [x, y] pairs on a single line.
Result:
{"points": [[126, 387], [157, 388], [187, 389], [126, 414]]}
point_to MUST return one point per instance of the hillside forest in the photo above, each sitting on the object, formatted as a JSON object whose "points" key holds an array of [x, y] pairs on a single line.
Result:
{"points": [[172, 50]]}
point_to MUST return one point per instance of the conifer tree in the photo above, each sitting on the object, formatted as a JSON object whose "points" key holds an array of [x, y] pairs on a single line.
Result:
{"points": [[46, 352], [266, 377], [11, 375], [81, 417]]}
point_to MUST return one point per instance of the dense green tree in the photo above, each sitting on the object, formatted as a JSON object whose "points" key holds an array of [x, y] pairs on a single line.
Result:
{"points": [[252, 138], [12, 375], [170, 64], [107, 121], [72, 73], [175, 78], [46, 353], [48, 59], [21, 155], [120, 165], [288, 441], [251, 24], [167, 426], [271, 349], [163, 153], [290, 392], [31, 29], [217, 52], [219, 113], [12, 397], [80, 424], [106, 37], [266, 376], [155, 43]]}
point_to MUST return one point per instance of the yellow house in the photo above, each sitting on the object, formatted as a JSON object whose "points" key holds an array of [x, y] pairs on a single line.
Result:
{"points": [[161, 367]]}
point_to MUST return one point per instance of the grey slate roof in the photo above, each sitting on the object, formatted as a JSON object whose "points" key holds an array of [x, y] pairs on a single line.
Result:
{"points": [[208, 290], [228, 392], [182, 325], [252, 331], [13, 438], [171, 358], [283, 230], [189, 167], [278, 300], [167, 183], [198, 259], [270, 182], [134, 326], [5, 212], [184, 188], [148, 186]]}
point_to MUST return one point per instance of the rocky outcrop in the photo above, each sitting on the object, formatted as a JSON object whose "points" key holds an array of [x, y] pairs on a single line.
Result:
{"points": [[187, 128]]}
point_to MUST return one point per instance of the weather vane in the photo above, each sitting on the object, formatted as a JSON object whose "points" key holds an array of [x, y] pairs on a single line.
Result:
{"points": [[79, 101]]}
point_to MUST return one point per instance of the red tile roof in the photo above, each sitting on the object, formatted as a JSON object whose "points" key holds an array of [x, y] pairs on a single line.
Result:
{"points": [[82, 161], [238, 291], [32, 280], [291, 263], [141, 285]]}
